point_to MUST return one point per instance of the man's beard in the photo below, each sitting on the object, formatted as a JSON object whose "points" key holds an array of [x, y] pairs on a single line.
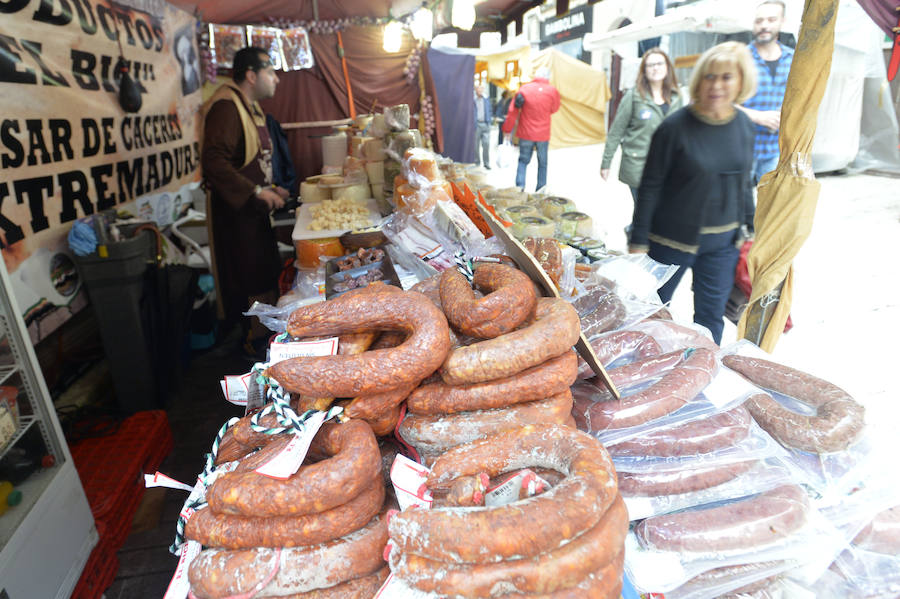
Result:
{"points": [[773, 35]]}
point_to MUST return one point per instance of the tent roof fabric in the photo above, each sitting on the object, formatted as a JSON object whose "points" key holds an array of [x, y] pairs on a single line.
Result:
{"points": [[241, 11]]}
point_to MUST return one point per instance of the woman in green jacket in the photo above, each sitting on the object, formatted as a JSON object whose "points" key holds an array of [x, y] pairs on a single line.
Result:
{"points": [[642, 109]]}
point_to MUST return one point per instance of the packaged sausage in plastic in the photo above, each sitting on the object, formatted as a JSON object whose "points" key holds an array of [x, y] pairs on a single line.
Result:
{"points": [[620, 347], [820, 424], [664, 552], [690, 389], [756, 580]]}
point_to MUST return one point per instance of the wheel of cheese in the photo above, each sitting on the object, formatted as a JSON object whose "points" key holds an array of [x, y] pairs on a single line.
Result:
{"points": [[309, 250], [422, 164], [533, 226], [514, 213], [552, 207], [575, 224]]}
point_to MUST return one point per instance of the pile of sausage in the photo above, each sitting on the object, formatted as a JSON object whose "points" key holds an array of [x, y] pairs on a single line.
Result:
{"points": [[319, 533], [512, 363], [566, 542]]}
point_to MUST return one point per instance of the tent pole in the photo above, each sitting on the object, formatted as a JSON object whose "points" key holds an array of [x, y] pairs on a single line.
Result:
{"points": [[346, 75]]}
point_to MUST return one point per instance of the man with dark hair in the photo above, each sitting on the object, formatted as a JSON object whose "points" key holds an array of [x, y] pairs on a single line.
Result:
{"points": [[773, 64], [237, 167]]}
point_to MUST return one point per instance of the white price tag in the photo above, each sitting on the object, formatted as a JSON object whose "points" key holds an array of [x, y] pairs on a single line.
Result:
{"points": [[159, 479], [279, 352], [408, 478], [509, 491], [394, 588], [728, 387], [289, 459], [180, 585], [235, 387]]}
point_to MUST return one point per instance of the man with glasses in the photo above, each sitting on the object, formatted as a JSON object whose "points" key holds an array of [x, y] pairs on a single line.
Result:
{"points": [[773, 64], [237, 168]]}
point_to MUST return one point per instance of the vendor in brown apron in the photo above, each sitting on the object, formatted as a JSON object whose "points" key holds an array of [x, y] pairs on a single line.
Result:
{"points": [[237, 167]]}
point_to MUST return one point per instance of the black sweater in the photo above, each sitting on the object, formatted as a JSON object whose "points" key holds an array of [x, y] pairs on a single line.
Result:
{"points": [[697, 176]]}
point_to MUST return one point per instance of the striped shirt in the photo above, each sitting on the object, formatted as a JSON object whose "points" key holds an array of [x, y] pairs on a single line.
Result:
{"points": [[769, 96]]}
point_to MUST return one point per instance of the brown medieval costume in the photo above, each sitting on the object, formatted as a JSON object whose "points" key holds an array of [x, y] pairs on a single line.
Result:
{"points": [[236, 158]]}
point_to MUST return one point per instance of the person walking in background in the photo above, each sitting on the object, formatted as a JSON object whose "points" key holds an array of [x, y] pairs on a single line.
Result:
{"points": [[773, 64], [533, 106], [484, 120], [500, 111], [654, 95], [695, 193]]}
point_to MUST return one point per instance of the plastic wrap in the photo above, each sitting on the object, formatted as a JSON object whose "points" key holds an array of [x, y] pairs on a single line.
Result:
{"points": [[726, 391], [758, 580], [637, 276], [275, 317], [567, 279], [620, 347], [734, 480], [671, 335], [665, 552]]}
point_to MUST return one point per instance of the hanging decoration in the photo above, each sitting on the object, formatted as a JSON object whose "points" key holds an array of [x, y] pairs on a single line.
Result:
{"points": [[207, 60], [413, 62]]}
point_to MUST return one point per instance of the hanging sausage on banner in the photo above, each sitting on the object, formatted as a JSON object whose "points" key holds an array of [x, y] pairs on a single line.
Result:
{"points": [[68, 149]]}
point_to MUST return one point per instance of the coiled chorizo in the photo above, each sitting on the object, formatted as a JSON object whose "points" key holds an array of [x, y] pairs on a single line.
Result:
{"points": [[552, 377], [522, 529], [554, 331], [510, 300], [375, 371]]}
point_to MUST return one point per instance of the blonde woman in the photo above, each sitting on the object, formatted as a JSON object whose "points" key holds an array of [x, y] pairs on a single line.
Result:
{"points": [[642, 109], [695, 191]]}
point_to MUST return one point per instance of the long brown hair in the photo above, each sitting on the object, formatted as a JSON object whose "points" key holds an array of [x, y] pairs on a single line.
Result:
{"points": [[669, 84]]}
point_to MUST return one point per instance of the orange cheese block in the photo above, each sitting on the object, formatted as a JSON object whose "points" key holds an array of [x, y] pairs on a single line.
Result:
{"points": [[309, 250]]}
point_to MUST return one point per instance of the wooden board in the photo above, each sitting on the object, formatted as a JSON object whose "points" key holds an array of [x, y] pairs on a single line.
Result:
{"points": [[530, 265], [301, 225]]}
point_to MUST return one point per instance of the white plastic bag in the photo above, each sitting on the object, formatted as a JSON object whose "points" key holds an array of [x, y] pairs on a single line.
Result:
{"points": [[506, 154]]}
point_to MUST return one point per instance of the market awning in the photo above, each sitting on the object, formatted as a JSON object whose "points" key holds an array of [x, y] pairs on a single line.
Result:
{"points": [[241, 11]]}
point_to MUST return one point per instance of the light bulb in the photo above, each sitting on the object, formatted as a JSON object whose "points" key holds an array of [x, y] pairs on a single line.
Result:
{"points": [[393, 37], [421, 24], [462, 15]]}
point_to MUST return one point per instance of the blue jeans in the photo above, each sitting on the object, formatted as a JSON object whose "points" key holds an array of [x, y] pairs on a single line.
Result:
{"points": [[713, 269], [763, 165], [525, 148]]}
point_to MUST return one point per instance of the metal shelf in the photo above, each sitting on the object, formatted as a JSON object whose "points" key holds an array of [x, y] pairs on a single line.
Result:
{"points": [[25, 423], [6, 372]]}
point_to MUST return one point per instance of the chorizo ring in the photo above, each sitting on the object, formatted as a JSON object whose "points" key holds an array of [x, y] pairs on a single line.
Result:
{"points": [[510, 299], [609, 314], [630, 374], [359, 588], [605, 584], [315, 488], [552, 377], [374, 406], [676, 482], [436, 434], [560, 568], [741, 525], [676, 388], [376, 371], [553, 332], [217, 573], [882, 534], [524, 528], [696, 437], [242, 532], [837, 423]]}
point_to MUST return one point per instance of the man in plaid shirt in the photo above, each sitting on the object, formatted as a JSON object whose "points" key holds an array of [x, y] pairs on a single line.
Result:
{"points": [[773, 63]]}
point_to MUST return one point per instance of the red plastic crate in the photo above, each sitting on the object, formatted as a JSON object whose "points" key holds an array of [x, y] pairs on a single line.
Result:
{"points": [[108, 466]]}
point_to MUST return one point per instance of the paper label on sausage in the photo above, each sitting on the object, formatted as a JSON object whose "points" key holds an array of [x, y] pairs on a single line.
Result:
{"points": [[728, 387], [180, 585], [158, 479], [408, 478], [524, 483], [288, 460], [235, 386], [394, 588], [280, 351]]}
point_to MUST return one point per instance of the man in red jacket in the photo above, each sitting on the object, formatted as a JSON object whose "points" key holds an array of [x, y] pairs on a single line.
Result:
{"points": [[532, 106]]}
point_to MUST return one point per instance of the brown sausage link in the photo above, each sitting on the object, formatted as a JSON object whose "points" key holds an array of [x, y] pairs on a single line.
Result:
{"points": [[389, 339], [359, 588], [744, 524], [609, 314], [679, 386], [605, 584], [385, 423], [619, 344], [557, 569], [697, 437], [243, 532], [376, 405], [837, 423], [654, 484], [630, 374], [350, 344], [436, 434], [548, 254], [372, 371], [882, 534], [230, 449], [510, 300], [431, 287], [218, 573], [523, 528], [553, 332], [314, 488], [552, 377]]}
